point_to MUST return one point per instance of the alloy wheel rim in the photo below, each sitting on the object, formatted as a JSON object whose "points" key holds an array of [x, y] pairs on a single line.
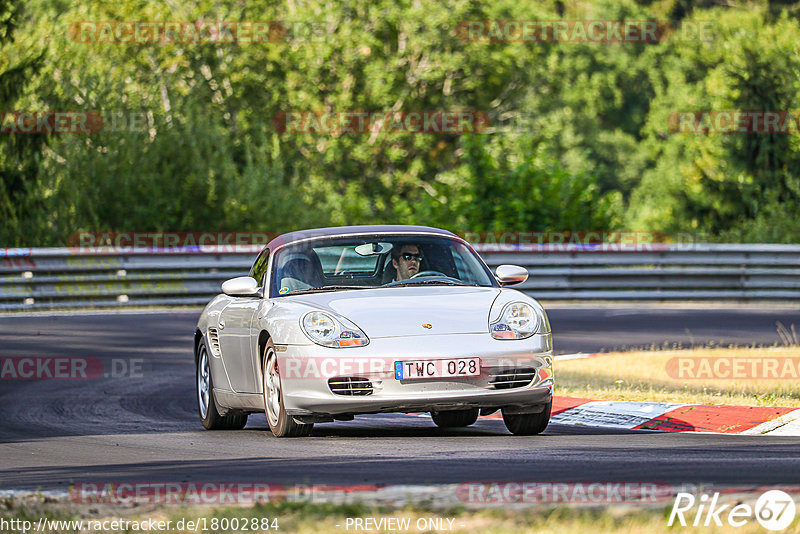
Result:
{"points": [[202, 383], [272, 389]]}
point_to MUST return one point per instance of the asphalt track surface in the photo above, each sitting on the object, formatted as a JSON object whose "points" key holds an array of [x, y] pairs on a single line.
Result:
{"points": [[54, 433]]}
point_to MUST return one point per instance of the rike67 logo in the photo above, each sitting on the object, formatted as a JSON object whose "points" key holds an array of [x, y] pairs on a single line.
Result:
{"points": [[774, 510]]}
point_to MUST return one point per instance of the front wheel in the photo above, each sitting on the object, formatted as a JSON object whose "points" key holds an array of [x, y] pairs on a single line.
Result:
{"points": [[455, 418], [281, 424], [528, 424], [206, 404]]}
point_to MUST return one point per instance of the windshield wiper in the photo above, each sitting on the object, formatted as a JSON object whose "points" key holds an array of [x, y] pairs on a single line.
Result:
{"points": [[431, 282], [325, 288]]}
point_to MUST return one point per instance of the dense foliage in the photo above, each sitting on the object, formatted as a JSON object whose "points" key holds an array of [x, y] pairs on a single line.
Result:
{"points": [[579, 135]]}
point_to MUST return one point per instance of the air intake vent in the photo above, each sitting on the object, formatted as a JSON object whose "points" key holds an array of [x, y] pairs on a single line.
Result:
{"points": [[213, 340], [512, 378], [350, 385]]}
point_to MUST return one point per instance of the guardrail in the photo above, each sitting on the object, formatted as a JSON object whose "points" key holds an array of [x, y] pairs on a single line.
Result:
{"points": [[40, 278]]}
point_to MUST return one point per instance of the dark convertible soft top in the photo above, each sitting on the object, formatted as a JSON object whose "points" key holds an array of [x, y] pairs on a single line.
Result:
{"points": [[334, 231]]}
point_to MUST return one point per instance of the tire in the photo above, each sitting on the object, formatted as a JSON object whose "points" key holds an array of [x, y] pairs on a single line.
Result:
{"points": [[206, 403], [528, 424], [455, 418], [281, 424]]}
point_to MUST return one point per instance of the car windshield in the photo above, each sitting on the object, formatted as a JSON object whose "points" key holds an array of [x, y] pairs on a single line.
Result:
{"points": [[371, 261]]}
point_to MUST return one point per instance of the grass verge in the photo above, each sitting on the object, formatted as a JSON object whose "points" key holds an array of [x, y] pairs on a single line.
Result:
{"points": [[702, 376]]}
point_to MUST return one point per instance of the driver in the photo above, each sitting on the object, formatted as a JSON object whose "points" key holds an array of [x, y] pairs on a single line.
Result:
{"points": [[406, 261]]}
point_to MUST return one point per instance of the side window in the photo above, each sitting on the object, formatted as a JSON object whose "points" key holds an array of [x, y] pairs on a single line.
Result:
{"points": [[260, 267]]}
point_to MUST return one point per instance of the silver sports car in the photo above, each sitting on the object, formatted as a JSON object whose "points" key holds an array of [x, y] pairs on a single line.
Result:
{"points": [[336, 322]]}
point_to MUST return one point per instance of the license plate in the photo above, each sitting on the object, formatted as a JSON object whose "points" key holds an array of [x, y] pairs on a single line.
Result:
{"points": [[437, 368]]}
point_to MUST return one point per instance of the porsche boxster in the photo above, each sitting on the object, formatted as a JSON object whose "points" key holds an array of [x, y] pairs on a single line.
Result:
{"points": [[335, 322]]}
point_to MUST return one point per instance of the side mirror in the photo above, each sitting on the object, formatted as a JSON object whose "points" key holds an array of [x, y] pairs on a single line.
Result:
{"points": [[241, 286], [509, 275]]}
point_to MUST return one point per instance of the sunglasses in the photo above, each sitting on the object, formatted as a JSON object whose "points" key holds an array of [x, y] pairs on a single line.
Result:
{"points": [[409, 257]]}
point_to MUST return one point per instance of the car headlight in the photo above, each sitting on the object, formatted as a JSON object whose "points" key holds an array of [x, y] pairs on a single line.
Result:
{"points": [[518, 320], [326, 330]]}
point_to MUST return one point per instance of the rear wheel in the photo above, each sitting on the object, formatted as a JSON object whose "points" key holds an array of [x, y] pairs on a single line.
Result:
{"points": [[206, 404], [455, 418], [528, 424], [281, 424]]}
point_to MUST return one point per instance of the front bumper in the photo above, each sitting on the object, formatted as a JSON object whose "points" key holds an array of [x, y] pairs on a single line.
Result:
{"points": [[306, 369]]}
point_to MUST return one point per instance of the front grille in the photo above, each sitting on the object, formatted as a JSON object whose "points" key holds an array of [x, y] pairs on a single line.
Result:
{"points": [[213, 339], [512, 378], [350, 385]]}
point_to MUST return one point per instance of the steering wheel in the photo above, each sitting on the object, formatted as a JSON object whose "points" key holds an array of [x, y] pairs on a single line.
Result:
{"points": [[429, 273]]}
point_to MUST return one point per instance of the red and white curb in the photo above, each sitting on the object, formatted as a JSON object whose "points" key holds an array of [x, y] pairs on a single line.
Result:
{"points": [[673, 417], [785, 425]]}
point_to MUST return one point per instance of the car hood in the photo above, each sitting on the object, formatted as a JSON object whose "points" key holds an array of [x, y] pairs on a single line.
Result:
{"points": [[402, 311]]}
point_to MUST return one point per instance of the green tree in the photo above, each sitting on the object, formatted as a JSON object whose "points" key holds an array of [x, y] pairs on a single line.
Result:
{"points": [[20, 155], [728, 185]]}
